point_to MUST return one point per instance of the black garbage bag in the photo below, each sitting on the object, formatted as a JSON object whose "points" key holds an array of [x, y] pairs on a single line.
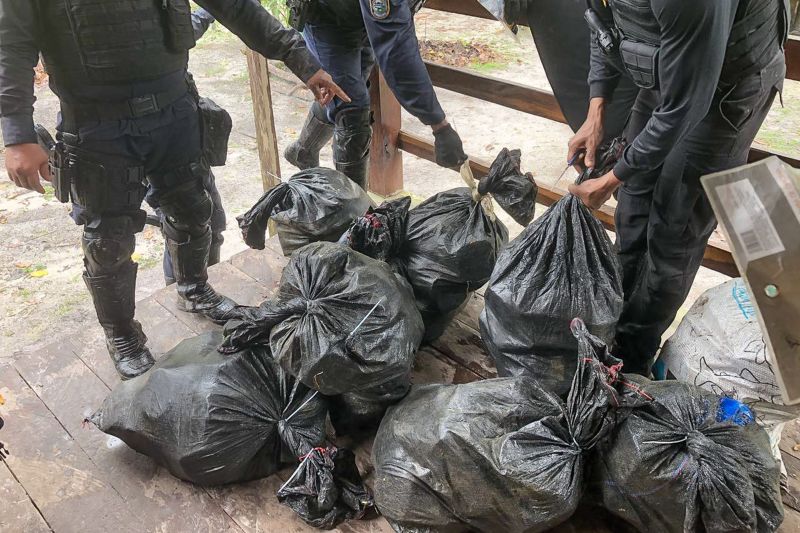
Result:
{"points": [[562, 266], [318, 204], [343, 324], [327, 489], [684, 461], [496, 455], [513, 189], [447, 246], [213, 419]]}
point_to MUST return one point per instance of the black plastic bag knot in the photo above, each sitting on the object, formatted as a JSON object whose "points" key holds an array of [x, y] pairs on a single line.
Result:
{"points": [[326, 488], [514, 190]]}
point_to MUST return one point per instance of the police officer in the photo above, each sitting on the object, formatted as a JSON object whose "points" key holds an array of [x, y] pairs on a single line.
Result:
{"points": [[708, 71], [348, 36], [128, 117]]}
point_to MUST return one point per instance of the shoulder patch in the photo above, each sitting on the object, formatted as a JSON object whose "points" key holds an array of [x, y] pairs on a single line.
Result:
{"points": [[380, 9]]}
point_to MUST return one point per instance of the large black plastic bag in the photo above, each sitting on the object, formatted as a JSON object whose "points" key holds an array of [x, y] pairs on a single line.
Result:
{"points": [[213, 419], [315, 205], [343, 324], [502, 455], [562, 266], [447, 246], [677, 463]]}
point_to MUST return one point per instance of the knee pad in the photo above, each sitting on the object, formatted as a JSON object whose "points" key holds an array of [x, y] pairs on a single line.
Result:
{"points": [[109, 244], [186, 212], [352, 135]]}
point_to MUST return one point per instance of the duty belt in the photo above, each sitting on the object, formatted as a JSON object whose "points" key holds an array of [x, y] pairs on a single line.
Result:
{"points": [[140, 106]]}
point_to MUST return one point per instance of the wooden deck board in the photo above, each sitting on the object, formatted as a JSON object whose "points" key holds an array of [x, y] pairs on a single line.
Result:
{"points": [[68, 380], [18, 512]]}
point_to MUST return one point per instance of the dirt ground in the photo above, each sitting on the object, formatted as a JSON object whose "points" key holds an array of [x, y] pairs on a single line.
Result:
{"points": [[42, 296]]}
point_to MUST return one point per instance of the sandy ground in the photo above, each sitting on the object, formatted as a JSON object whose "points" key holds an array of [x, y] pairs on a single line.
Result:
{"points": [[41, 292]]}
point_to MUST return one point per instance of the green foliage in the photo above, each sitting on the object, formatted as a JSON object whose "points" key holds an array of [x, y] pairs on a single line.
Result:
{"points": [[278, 9]]}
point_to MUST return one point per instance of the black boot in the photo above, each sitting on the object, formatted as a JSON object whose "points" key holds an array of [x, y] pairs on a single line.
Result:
{"points": [[317, 132], [351, 140], [114, 301], [190, 264]]}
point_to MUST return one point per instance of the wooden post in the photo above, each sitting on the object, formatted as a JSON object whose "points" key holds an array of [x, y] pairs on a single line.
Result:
{"points": [[386, 160], [265, 121]]}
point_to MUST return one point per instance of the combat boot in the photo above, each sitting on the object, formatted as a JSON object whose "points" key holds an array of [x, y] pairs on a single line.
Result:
{"points": [[114, 300], [351, 142], [317, 132], [196, 295]]}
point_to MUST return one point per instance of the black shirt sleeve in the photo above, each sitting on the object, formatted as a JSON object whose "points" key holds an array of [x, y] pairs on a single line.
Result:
{"points": [[694, 38], [19, 55], [261, 32]]}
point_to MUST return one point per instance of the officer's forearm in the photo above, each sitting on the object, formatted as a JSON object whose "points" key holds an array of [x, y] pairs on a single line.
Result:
{"points": [[261, 32]]}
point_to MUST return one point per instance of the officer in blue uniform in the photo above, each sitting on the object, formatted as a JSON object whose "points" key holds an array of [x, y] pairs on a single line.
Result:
{"points": [[130, 120], [349, 37]]}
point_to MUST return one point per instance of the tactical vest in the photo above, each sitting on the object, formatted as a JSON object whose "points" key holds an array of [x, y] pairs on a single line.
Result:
{"points": [[758, 32], [109, 42]]}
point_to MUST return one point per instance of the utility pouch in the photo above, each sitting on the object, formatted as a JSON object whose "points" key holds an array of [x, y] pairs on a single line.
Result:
{"points": [[180, 33], [641, 62], [216, 130], [100, 186], [299, 12]]}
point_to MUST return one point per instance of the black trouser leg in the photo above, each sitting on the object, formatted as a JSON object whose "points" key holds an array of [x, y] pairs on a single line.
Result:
{"points": [[110, 276], [218, 224], [187, 209], [681, 220]]}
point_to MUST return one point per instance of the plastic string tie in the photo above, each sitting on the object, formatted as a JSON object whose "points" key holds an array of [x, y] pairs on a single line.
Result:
{"points": [[288, 418], [374, 307], [469, 179]]}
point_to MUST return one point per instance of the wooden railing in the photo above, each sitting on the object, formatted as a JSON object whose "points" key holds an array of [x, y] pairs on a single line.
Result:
{"points": [[390, 141]]}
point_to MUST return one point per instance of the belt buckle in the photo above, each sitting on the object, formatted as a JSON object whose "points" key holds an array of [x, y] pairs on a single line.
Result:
{"points": [[143, 105]]}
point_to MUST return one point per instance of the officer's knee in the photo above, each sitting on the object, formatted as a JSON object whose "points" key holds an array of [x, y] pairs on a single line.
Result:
{"points": [[186, 212], [109, 245]]}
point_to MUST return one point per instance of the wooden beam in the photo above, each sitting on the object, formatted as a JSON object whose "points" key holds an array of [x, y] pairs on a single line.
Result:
{"points": [[505, 93], [717, 256], [460, 7], [386, 160], [267, 139], [757, 154], [793, 58]]}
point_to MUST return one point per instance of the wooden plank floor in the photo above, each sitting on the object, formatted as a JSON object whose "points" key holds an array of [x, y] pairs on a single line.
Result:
{"points": [[65, 476]]}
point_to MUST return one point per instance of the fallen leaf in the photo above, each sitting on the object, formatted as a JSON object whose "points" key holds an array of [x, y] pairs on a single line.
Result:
{"points": [[42, 272], [136, 257], [22, 265], [2, 400], [796, 447]]}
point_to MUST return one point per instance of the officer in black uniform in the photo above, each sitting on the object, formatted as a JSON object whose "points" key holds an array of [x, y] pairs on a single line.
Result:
{"points": [[129, 119], [348, 36], [709, 71], [563, 44]]}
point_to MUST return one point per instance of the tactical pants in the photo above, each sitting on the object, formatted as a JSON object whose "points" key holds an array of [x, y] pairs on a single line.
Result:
{"points": [[219, 223], [664, 219], [344, 52], [167, 145]]}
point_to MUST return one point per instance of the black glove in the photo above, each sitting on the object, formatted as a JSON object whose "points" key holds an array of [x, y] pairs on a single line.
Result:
{"points": [[449, 149], [516, 11]]}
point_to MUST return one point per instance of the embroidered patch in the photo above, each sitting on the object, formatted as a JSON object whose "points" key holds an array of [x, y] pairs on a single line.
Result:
{"points": [[380, 8]]}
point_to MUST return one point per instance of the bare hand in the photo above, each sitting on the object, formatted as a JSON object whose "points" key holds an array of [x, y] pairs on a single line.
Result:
{"points": [[26, 164], [583, 146], [325, 89], [595, 193]]}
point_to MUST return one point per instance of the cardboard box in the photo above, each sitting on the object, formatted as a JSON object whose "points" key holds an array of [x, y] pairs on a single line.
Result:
{"points": [[758, 208]]}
